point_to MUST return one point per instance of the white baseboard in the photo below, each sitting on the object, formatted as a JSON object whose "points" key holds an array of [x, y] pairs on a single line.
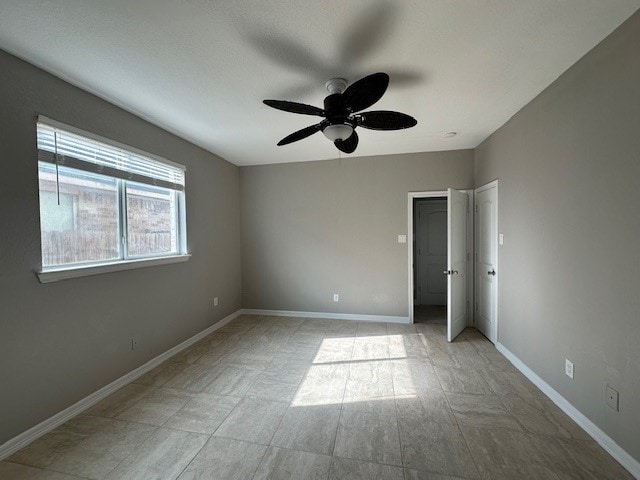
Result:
{"points": [[335, 316], [16, 443], [606, 442]]}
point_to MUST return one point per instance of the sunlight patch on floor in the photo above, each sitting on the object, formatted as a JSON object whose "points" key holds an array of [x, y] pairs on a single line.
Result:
{"points": [[355, 369]]}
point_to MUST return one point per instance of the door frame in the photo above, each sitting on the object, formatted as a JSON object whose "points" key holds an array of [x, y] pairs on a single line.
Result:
{"points": [[496, 295], [470, 246]]}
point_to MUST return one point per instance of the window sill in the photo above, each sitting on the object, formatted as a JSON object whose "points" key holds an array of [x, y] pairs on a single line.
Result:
{"points": [[55, 275]]}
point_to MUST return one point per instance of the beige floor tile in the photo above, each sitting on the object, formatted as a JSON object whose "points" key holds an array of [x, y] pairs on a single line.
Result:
{"points": [[253, 420], [369, 380], [203, 413], [369, 431], [506, 384], [579, 458], [334, 350], [422, 475], [42, 452], [309, 428], [481, 411], [370, 348], [493, 448], [314, 338], [212, 358], [347, 469], [194, 378], [268, 389], [119, 401], [529, 472], [544, 418], [157, 407], [192, 353], [299, 349], [425, 407], [412, 376], [462, 381], [283, 464], [244, 359], [162, 456], [103, 449], [161, 374], [15, 471], [436, 447], [233, 381], [371, 329], [285, 373], [323, 385], [225, 459], [443, 359]]}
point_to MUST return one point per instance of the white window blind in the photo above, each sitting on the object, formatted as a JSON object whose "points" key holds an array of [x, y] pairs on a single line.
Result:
{"points": [[67, 146]]}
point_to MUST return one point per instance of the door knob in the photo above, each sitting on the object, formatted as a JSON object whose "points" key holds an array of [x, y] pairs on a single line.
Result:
{"points": [[492, 272], [447, 272]]}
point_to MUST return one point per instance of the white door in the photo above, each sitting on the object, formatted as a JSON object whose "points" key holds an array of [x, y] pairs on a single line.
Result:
{"points": [[486, 261], [457, 210], [431, 252]]}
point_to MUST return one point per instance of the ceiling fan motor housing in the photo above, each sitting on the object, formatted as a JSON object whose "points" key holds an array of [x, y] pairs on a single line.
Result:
{"points": [[335, 110]]}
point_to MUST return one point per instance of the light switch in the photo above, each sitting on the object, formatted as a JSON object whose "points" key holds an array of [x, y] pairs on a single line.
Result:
{"points": [[402, 239], [501, 239]]}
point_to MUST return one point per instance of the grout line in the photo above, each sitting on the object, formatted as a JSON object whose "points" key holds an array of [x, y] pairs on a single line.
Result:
{"points": [[335, 439], [194, 457], [395, 405]]}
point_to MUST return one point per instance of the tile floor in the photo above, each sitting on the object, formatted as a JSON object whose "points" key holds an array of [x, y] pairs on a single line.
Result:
{"points": [[279, 398]]}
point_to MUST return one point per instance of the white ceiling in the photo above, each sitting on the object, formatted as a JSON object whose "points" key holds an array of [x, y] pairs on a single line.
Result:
{"points": [[200, 68]]}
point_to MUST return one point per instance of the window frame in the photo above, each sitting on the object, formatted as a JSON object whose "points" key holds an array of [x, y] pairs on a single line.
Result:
{"points": [[53, 273]]}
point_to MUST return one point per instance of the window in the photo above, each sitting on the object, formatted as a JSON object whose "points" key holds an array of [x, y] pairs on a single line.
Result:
{"points": [[102, 203]]}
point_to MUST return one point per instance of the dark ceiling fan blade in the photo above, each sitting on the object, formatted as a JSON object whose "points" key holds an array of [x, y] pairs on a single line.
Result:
{"points": [[295, 107], [385, 120], [349, 145], [366, 91], [300, 134]]}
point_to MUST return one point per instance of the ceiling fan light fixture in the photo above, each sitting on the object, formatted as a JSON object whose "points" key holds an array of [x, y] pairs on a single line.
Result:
{"points": [[338, 131]]}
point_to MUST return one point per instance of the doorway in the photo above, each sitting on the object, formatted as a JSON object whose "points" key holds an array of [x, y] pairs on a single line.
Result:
{"points": [[430, 260], [440, 267]]}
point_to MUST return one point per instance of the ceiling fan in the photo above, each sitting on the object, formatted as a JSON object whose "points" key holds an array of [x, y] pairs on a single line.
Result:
{"points": [[341, 112]]}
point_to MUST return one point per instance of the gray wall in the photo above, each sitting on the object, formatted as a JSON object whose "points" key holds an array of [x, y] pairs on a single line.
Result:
{"points": [[313, 229], [569, 166], [61, 341]]}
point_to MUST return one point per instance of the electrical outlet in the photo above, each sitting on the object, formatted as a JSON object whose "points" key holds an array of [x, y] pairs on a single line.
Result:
{"points": [[613, 398], [134, 343], [336, 297], [215, 301], [568, 368]]}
